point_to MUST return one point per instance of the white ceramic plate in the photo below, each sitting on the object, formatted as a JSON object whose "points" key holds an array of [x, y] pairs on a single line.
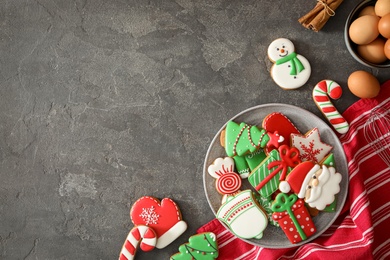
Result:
{"points": [[274, 237]]}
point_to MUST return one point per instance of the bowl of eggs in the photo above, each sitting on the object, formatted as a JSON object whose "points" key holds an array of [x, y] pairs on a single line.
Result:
{"points": [[367, 33]]}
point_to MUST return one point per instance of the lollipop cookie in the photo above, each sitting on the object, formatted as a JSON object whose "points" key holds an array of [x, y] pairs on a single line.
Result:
{"points": [[290, 70]]}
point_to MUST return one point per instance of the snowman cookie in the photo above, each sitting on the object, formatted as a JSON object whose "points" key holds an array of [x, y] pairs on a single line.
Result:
{"points": [[290, 70]]}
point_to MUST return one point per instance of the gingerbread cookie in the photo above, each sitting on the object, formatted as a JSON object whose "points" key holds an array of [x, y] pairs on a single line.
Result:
{"points": [[227, 181], [314, 183], [290, 70], [201, 246], [241, 139], [140, 236], [243, 215], [310, 146], [266, 177], [164, 217], [293, 217], [278, 122], [324, 90]]}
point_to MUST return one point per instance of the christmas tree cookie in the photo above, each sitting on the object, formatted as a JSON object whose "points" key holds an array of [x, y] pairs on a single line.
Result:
{"points": [[201, 246], [241, 139]]}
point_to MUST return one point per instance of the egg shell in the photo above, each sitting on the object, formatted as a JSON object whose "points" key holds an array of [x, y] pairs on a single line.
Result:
{"points": [[387, 49], [368, 10], [363, 84], [374, 51], [364, 29], [382, 7], [384, 26]]}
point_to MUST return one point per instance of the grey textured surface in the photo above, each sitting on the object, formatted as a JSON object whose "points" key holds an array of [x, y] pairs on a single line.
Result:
{"points": [[102, 102]]}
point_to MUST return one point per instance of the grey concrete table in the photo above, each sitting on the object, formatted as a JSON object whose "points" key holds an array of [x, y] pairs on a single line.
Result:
{"points": [[102, 102]]}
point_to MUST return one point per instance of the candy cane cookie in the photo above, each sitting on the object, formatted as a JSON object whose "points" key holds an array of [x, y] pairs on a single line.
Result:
{"points": [[142, 236], [321, 93]]}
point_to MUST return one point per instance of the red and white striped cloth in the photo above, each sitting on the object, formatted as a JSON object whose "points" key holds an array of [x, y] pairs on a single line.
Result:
{"points": [[362, 231]]}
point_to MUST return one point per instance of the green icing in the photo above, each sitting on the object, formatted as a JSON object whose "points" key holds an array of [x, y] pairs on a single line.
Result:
{"points": [[329, 161], [202, 246], [241, 166], [241, 139], [261, 172], [254, 159]]}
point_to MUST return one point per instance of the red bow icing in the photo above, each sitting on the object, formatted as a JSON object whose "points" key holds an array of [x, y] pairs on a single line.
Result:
{"points": [[289, 158]]}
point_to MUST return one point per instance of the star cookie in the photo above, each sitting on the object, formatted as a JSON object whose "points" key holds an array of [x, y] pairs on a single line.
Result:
{"points": [[310, 146]]}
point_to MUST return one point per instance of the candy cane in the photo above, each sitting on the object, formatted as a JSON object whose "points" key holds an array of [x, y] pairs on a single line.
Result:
{"points": [[321, 93], [142, 236]]}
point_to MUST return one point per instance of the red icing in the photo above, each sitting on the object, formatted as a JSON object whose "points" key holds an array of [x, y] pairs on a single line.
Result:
{"points": [[303, 217], [336, 93], [321, 98], [129, 248], [279, 122], [337, 120], [329, 109], [160, 216]]}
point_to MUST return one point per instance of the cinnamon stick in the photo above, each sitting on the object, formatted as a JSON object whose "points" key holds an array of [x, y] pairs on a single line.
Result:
{"points": [[320, 14]]}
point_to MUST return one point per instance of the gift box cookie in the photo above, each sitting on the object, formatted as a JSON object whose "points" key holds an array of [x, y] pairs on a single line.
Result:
{"points": [[293, 217], [267, 176]]}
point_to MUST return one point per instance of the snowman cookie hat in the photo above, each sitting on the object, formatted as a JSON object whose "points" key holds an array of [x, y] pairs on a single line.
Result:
{"points": [[298, 178]]}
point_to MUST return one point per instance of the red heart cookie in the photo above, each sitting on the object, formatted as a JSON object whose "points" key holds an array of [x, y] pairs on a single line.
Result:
{"points": [[164, 217], [279, 122]]}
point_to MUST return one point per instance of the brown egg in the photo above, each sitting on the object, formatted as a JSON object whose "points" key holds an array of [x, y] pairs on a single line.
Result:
{"points": [[387, 49], [374, 51], [384, 26], [364, 29], [368, 10], [382, 7], [363, 84]]}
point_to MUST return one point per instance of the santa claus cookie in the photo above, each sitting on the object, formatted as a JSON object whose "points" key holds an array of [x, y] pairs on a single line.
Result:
{"points": [[290, 70], [164, 217], [316, 184]]}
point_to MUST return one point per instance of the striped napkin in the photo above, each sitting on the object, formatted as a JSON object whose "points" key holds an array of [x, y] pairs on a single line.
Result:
{"points": [[362, 230]]}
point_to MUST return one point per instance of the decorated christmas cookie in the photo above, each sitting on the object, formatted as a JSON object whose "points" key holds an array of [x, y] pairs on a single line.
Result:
{"points": [[266, 177], [140, 236], [293, 217], [290, 70], [228, 184], [241, 139], [316, 184], [310, 146], [221, 166], [243, 215], [227, 181], [278, 122], [202, 246], [163, 217], [324, 90]]}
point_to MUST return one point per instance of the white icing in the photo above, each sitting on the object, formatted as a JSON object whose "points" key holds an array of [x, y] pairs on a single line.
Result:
{"points": [[318, 149], [281, 73], [173, 233], [329, 187], [308, 177], [221, 166], [284, 187], [249, 222]]}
